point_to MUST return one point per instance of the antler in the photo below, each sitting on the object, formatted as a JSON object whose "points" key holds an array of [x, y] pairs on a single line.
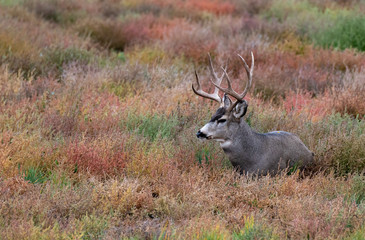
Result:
{"points": [[229, 89], [217, 82]]}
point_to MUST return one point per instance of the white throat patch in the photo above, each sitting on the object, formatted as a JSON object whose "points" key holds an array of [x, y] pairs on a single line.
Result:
{"points": [[225, 143]]}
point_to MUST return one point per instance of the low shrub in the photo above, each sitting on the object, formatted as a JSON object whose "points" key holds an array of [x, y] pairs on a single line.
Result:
{"points": [[213, 6], [116, 34], [348, 154], [357, 191], [356, 235], [152, 126], [337, 143], [126, 80], [93, 226], [253, 230], [29, 156], [349, 96], [251, 7], [18, 53], [283, 9], [345, 32], [11, 2], [64, 117], [103, 160], [121, 90], [56, 58], [192, 43], [147, 55], [108, 33], [61, 12], [339, 28]]}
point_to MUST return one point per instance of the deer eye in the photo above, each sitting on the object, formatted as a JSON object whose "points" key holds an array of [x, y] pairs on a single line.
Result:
{"points": [[222, 120]]}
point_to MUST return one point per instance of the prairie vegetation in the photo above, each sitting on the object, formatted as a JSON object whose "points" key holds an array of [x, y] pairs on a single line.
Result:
{"points": [[98, 120]]}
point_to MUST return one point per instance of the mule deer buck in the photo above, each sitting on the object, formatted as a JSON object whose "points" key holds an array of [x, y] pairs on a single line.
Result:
{"points": [[248, 151]]}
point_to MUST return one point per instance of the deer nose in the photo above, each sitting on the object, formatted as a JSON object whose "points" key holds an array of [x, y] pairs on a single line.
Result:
{"points": [[200, 134]]}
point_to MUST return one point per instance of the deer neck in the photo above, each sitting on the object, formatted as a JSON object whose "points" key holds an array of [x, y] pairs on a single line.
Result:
{"points": [[242, 144]]}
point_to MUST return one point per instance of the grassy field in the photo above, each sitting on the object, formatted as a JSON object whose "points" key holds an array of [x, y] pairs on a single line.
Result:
{"points": [[98, 119]]}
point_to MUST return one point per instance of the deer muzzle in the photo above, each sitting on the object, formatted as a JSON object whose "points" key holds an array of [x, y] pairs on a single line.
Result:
{"points": [[200, 134]]}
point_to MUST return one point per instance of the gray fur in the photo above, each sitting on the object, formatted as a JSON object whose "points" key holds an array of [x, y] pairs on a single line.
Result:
{"points": [[253, 152]]}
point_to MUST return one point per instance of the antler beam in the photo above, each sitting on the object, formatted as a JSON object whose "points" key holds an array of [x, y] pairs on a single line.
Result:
{"points": [[217, 82], [230, 91]]}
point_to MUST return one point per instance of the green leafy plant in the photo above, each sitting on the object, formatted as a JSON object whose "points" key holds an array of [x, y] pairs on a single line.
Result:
{"points": [[35, 175]]}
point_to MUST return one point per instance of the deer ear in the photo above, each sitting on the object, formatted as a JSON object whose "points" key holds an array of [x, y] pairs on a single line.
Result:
{"points": [[240, 109], [226, 101]]}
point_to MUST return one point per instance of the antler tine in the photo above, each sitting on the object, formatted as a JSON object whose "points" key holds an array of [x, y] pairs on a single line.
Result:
{"points": [[214, 96], [249, 72], [230, 91], [218, 81]]}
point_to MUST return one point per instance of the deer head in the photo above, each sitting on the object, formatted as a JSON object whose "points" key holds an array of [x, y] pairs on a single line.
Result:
{"points": [[220, 126]]}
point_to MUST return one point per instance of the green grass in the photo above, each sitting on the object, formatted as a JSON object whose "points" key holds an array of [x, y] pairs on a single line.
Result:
{"points": [[338, 28], [120, 89], [152, 126], [345, 32], [203, 155], [345, 140], [11, 2], [35, 175], [357, 192], [93, 227], [357, 235]]}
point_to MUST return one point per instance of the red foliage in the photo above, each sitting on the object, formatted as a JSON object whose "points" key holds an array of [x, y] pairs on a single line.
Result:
{"points": [[304, 102], [96, 160], [217, 7], [134, 31], [212, 6], [87, 117], [138, 30], [192, 42], [94, 120], [13, 185], [296, 101], [314, 71], [162, 26], [117, 35]]}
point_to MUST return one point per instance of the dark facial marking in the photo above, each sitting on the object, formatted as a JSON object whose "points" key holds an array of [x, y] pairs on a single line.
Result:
{"points": [[218, 114]]}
